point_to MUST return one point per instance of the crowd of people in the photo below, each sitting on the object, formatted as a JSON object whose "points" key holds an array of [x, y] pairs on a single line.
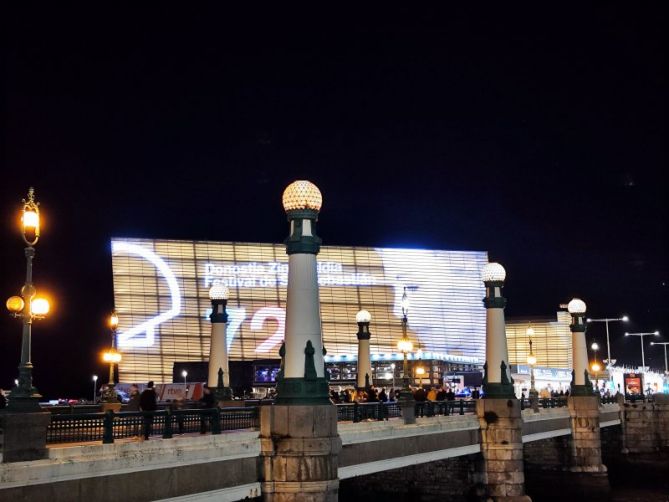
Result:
{"points": [[376, 394]]}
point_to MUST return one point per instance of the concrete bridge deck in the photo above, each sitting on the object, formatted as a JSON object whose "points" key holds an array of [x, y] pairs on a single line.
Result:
{"points": [[192, 466]]}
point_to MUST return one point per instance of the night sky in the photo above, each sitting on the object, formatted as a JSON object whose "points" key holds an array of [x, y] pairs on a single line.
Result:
{"points": [[536, 135]]}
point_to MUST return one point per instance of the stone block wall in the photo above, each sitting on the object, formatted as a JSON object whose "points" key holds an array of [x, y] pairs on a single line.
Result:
{"points": [[641, 427], [452, 479], [547, 454]]}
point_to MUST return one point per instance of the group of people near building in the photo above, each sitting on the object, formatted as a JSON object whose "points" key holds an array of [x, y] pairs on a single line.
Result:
{"points": [[374, 394]]}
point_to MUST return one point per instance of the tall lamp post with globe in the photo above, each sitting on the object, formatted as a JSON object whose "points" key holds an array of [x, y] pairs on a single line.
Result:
{"points": [[112, 356], [27, 307], [532, 361]]}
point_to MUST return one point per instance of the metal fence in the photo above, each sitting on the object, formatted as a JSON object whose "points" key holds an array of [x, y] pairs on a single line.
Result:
{"points": [[109, 426], [357, 412]]}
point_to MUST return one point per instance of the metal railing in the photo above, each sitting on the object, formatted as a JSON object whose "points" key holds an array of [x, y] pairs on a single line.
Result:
{"points": [[545, 402], [357, 412], [109, 426]]}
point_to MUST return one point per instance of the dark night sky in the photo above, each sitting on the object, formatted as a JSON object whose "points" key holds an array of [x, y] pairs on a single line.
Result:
{"points": [[536, 135]]}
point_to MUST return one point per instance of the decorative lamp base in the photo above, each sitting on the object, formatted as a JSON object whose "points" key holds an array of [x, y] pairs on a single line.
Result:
{"points": [[301, 391], [498, 391]]}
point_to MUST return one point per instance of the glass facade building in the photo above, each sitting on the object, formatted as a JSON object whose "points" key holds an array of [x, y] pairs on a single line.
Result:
{"points": [[161, 295]]}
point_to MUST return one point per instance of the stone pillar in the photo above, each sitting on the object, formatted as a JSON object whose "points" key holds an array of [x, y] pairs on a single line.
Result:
{"points": [[218, 348], [642, 426], [299, 440], [662, 407], [24, 436], [585, 444], [502, 470], [364, 378]]}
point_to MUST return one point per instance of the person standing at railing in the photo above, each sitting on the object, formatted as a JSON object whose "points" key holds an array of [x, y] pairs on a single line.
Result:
{"points": [[207, 402], [148, 403], [432, 394]]}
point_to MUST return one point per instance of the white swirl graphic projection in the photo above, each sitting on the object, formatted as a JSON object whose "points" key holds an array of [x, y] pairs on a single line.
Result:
{"points": [[161, 293]]}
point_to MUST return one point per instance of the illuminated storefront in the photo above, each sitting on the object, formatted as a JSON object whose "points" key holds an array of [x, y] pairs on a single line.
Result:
{"points": [[161, 294]]}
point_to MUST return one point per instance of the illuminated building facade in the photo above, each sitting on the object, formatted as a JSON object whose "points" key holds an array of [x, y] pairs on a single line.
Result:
{"points": [[551, 344], [161, 293]]}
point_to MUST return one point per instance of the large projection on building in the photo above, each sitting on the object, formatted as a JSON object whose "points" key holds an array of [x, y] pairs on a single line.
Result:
{"points": [[161, 294]]}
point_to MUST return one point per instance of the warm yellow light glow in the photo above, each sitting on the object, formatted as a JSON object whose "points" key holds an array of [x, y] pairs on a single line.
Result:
{"points": [[529, 331], [596, 367], [531, 359], [111, 356], [15, 304], [420, 370], [405, 346], [302, 194], [39, 306], [30, 220], [113, 320]]}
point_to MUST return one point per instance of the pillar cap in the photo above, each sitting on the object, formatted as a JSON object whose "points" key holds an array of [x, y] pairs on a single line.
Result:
{"points": [[493, 272], [301, 195], [576, 306]]}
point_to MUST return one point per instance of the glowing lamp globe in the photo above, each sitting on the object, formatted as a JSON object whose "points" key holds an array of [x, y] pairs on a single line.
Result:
{"points": [[529, 331], [596, 367], [363, 316], [531, 360], [576, 306], [300, 195], [15, 304], [111, 356], [113, 320], [493, 272], [219, 292], [30, 220], [405, 346], [420, 370], [39, 306]]}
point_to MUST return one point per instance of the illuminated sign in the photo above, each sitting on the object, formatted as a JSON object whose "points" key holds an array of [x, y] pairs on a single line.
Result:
{"points": [[161, 294]]}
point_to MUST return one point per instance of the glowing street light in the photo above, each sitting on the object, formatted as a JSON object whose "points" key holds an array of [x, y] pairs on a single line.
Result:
{"points": [[532, 361], [641, 335], [112, 357], [666, 367], [95, 386], [184, 374], [404, 345], [609, 362], [27, 307]]}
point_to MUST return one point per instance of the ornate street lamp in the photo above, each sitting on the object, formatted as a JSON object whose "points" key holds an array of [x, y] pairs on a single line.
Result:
{"points": [[219, 366], [27, 307], [609, 362], [364, 377], [404, 345], [532, 361], [580, 383], [112, 357]]}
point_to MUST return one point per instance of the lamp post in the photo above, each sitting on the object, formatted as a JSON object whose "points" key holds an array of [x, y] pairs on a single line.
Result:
{"points": [[595, 367], [666, 367], [27, 308], [95, 387], [364, 377], [497, 379], [580, 383], [111, 356], [219, 367], [606, 321], [532, 361], [404, 345], [641, 335], [392, 368], [184, 374]]}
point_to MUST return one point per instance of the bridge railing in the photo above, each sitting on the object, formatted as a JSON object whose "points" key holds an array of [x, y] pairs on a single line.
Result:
{"points": [[356, 412], [109, 426]]}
